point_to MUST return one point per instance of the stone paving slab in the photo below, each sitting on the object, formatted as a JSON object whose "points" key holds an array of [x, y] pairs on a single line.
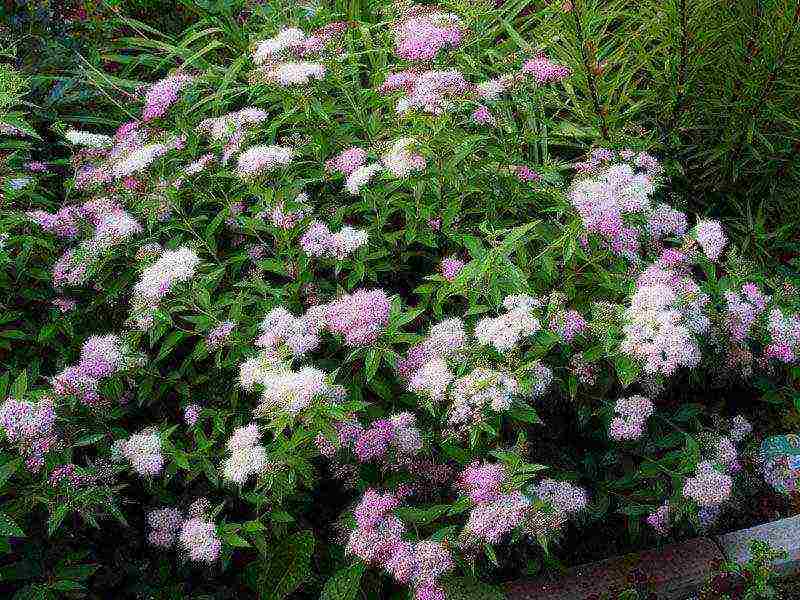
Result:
{"points": [[783, 534], [677, 571]]}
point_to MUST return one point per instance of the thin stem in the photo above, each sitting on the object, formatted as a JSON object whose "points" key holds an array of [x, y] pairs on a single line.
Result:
{"points": [[769, 84], [677, 109], [589, 73]]}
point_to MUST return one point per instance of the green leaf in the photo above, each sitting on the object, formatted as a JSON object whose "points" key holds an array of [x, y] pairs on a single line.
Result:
{"points": [[8, 469], [526, 414], [20, 385], [627, 369], [169, 344], [56, 518], [371, 363], [89, 440], [422, 516], [8, 527], [286, 568], [66, 585], [344, 584]]}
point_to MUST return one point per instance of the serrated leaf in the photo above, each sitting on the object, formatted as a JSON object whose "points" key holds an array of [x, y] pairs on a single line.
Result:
{"points": [[422, 516], [8, 469], [20, 385], [344, 585], [90, 439], [8, 527], [56, 518], [287, 567]]}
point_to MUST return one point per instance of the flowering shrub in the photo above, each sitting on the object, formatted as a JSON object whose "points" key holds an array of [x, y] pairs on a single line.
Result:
{"points": [[345, 261]]}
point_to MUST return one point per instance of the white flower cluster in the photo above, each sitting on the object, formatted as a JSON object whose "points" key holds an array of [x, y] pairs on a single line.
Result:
{"points": [[222, 128], [656, 331], [246, 456], [172, 267], [90, 140], [506, 331], [282, 333], [481, 389], [271, 57], [258, 160], [427, 367], [318, 241]]}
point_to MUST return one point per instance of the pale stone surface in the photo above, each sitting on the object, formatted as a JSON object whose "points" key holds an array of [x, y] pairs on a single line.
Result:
{"points": [[677, 571], [783, 534]]}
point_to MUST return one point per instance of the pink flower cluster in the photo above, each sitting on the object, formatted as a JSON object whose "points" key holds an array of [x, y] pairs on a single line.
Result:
{"points": [[293, 42], [112, 226], [489, 522], [196, 535], [568, 324], [450, 267], [507, 330], [427, 91], [143, 452], [401, 161], [425, 366], [101, 357], [784, 334], [562, 495], [398, 432], [281, 331], [708, 487], [31, 426], [631, 418], [163, 94], [359, 317], [198, 539], [69, 476], [658, 330], [318, 241], [424, 31], [740, 428], [191, 414], [526, 175], [480, 390], [163, 526], [347, 161], [259, 160], [64, 223], [659, 519], [290, 392], [483, 116], [607, 200], [482, 482], [231, 125], [131, 151], [711, 238], [276, 57], [220, 335], [285, 219], [742, 309], [544, 71], [378, 540]]}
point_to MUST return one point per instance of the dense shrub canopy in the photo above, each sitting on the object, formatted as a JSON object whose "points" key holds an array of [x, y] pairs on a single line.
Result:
{"points": [[328, 304]]}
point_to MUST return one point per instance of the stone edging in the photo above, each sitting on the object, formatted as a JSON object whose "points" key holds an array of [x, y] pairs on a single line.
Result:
{"points": [[677, 570]]}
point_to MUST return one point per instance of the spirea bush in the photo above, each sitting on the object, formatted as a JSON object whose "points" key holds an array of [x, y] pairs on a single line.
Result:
{"points": [[333, 308]]}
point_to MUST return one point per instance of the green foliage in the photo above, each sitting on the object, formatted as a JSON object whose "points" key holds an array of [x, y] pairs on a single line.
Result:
{"points": [[679, 78]]}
